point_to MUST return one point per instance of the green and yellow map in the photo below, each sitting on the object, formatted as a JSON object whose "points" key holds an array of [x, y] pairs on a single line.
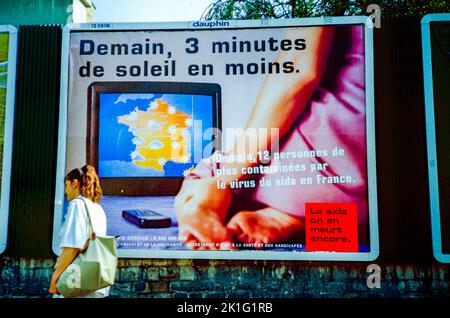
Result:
{"points": [[159, 135]]}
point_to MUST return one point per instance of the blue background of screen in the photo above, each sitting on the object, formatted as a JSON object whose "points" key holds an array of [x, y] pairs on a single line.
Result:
{"points": [[115, 141]]}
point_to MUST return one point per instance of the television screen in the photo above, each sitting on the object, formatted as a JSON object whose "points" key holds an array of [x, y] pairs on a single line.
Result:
{"points": [[152, 135], [144, 137]]}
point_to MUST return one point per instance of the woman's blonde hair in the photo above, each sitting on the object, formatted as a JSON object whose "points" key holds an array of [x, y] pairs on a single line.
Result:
{"points": [[89, 182]]}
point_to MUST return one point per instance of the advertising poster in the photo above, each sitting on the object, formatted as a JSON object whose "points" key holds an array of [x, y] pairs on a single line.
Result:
{"points": [[225, 139], [436, 64], [8, 38]]}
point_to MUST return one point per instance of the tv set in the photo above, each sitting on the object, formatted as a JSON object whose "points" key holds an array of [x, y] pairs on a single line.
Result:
{"points": [[143, 137]]}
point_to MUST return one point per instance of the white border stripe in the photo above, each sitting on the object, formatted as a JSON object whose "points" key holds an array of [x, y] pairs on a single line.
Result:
{"points": [[431, 135], [8, 133]]}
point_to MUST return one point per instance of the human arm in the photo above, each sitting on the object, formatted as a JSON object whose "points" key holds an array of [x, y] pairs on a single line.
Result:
{"points": [[201, 205], [283, 99], [201, 212], [266, 226], [66, 258]]}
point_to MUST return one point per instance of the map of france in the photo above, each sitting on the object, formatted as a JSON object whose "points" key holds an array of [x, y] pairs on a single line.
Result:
{"points": [[160, 135]]}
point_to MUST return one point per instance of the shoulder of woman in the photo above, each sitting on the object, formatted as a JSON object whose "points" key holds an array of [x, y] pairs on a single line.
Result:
{"points": [[76, 204], [90, 204]]}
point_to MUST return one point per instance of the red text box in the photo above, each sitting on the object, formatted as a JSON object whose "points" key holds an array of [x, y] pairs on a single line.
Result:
{"points": [[331, 227]]}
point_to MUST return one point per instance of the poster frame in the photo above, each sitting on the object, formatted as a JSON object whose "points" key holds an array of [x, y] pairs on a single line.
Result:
{"points": [[431, 134], [8, 133], [230, 24]]}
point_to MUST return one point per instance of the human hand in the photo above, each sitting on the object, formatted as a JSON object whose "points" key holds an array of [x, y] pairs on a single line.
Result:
{"points": [[52, 289], [201, 211], [265, 226]]}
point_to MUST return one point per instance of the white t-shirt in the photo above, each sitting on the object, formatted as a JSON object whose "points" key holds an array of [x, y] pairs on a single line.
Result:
{"points": [[75, 229]]}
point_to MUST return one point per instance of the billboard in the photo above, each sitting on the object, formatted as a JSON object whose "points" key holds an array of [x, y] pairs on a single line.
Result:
{"points": [[436, 71], [225, 139], [8, 46]]}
